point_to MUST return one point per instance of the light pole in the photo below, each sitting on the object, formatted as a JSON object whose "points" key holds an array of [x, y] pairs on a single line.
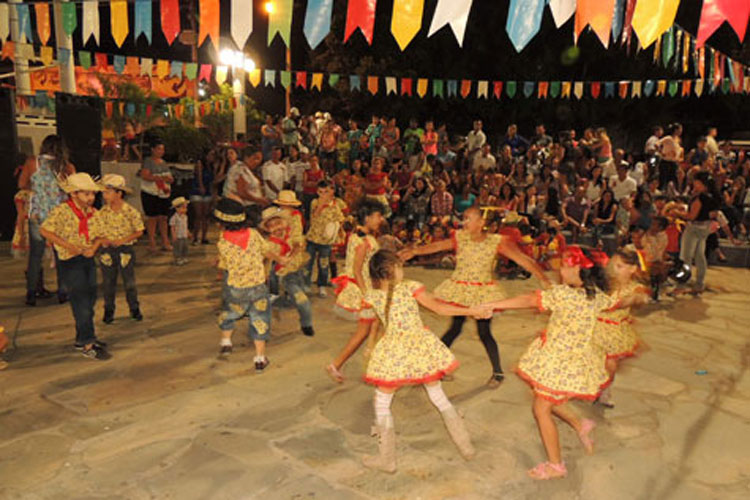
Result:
{"points": [[240, 66]]}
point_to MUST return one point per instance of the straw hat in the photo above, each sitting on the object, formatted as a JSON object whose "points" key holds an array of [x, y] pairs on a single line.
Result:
{"points": [[268, 214], [179, 201], [512, 217], [287, 198], [114, 181], [79, 182], [230, 211]]}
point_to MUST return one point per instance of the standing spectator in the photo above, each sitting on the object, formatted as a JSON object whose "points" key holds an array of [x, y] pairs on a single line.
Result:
{"points": [[42, 177], [201, 196], [622, 185], [413, 138], [290, 135], [699, 155], [671, 154], [130, 145], [711, 145], [312, 176], [391, 135], [447, 157], [518, 145], [274, 174], [270, 137], [353, 136], [429, 139], [156, 189], [475, 140], [652, 143], [541, 139], [296, 164], [417, 201], [241, 184], [178, 224]]}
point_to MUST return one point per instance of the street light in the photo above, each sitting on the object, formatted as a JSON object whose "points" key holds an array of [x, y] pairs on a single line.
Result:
{"points": [[270, 7], [240, 64]]}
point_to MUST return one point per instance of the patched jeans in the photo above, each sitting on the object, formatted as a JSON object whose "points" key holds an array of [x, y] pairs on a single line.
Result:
{"points": [[253, 302], [114, 261], [293, 284], [322, 255]]}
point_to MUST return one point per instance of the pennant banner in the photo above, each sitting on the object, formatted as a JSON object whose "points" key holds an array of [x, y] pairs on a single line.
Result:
{"points": [[497, 89], [301, 79], [360, 14], [372, 84], [437, 88], [524, 20], [43, 27], [24, 22], [147, 66], [69, 19], [354, 82], [143, 19], [209, 22], [118, 15], [170, 19], [715, 12], [241, 18], [317, 21], [422, 87], [280, 21], [406, 86], [91, 21], [390, 85], [191, 71], [406, 20], [598, 15], [510, 89], [452, 88], [651, 18], [5, 21], [254, 77], [452, 12], [269, 77], [285, 79], [618, 19], [562, 10]]}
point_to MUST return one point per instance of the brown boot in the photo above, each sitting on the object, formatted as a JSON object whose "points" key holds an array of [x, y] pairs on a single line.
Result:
{"points": [[385, 460], [460, 436]]}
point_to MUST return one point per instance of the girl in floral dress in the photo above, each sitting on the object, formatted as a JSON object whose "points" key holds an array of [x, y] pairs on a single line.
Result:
{"points": [[408, 354], [614, 332], [564, 362], [472, 282], [352, 284]]}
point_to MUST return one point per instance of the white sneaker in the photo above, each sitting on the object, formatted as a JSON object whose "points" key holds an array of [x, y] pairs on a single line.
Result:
{"points": [[322, 293]]}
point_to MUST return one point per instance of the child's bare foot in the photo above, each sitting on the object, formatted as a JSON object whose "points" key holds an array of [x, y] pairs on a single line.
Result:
{"points": [[548, 470], [587, 440]]}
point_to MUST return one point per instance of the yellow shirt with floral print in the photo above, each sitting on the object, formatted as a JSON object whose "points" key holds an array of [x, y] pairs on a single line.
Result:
{"points": [[332, 212], [244, 266], [295, 238], [116, 225], [64, 223]]}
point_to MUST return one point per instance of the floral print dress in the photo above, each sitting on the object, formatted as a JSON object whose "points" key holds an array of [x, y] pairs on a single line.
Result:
{"points": [[348, 292], [614, 332], [408, 353], [471, 283], [564, 361]]}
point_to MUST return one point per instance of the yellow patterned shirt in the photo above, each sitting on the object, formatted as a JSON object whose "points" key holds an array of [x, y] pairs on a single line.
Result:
{"points": [[241, 255], [333, 212], [116, 225], [64, 223]]}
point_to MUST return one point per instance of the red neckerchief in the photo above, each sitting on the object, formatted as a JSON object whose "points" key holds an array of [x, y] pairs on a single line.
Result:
{"points": [[283, 243], [83, 218], [240, 238]]}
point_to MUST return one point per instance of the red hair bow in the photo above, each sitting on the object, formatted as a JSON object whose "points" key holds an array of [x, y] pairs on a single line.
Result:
{"points": [[574, 256]]}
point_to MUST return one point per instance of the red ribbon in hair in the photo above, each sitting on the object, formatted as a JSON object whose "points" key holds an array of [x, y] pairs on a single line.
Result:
{"points": [[574, 257], [83, 219]]}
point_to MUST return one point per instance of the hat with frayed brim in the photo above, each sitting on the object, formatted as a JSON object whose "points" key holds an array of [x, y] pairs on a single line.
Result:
{"points": [[114, 181], [79, 182], [287, 198], [230, 211], [179, 201]]}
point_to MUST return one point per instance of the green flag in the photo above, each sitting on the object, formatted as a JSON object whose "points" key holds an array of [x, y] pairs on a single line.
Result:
{"points": [[437, 88], [84, 57], [69, 19], [510, 88]]}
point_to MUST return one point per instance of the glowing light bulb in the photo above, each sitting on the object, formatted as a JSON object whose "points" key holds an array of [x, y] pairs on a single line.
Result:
{"points": [[249, 65], [270, 7]]}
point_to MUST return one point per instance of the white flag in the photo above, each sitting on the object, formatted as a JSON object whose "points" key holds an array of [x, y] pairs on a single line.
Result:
{"points": [[242, 21], [562, 10], [147, 66], [390, 85], [4, 22], [453, 12], [482, 89], [90, 21]]}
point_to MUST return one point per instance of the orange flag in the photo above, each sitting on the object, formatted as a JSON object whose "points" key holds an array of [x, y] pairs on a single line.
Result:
{"points": [[372, 84], [209, 21], [597, 14], [42, 22]]}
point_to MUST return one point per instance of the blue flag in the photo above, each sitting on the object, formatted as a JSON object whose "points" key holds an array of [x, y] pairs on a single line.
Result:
{"points": [[317, 21], [528, 89], [176, 69], [24, 21], [648, 87], [143, 18], [354, 82], [609, 89], [119, 64], [452, 88], [524, 20], [617, 19]]}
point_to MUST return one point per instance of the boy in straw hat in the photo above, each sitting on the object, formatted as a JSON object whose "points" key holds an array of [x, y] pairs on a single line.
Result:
{"points": [[178, 225], [291, 244], [118, 225], [241, 253], [326, 217], [67, 228]]}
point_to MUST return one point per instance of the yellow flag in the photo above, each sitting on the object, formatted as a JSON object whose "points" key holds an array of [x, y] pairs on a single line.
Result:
{"points": [[46, 55], [317, 81], [661, 87], [162, 68], [221, 74], [422, 87], [254, 77], [119, 19], [406, 20], [565, 92], [652, 18], [685, 51]]}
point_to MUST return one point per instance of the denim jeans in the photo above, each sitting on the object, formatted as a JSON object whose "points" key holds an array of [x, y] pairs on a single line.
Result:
{"points": [[34, 274], [79, 276], [114, 261], [322, 255], [253, 302], [294, 283], [693, 249], [180, 249]]}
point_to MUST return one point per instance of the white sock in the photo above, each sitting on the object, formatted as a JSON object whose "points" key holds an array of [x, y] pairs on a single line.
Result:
{"points": [[437, 396], [382, 403], [225, 341]]}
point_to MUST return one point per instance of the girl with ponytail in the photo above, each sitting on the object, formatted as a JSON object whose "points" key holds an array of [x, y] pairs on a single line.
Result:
{"points": [[408, 354], [564, 362]]}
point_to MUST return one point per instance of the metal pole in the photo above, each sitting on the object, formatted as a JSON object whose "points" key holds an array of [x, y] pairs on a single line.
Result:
{"points": [[21, 64], [238, 86], [64, 41], [289, 88]]}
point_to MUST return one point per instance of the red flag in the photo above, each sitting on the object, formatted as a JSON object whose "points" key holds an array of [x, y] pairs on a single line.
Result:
{"points": [[686, 88], [170, 19], [406, 86], [717, 70], [360, 14], [595, 89], [101, 60], [205, 73], [715, 12], [465, 88], [9, 51], [302, 79], [623, 90], [542, 90], [497, 89], [209, 21], [627, 29], [702, 62]]}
